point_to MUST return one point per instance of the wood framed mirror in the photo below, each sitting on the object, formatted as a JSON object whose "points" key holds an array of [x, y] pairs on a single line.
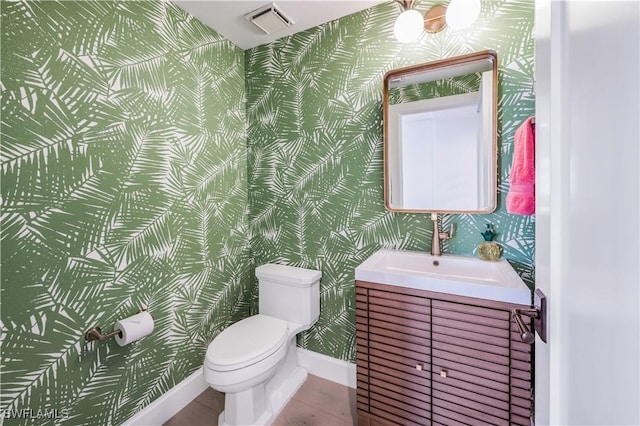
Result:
{"points": [[440, 135]]}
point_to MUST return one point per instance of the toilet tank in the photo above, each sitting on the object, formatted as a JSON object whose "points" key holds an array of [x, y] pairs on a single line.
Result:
{"points": [[289, 293]]}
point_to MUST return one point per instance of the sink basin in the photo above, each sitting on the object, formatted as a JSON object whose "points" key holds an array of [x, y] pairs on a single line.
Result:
{"points": [[451, 274]]}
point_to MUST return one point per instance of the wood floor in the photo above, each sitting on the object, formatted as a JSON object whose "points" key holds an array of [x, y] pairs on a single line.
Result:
{"points": [[318, 402]]}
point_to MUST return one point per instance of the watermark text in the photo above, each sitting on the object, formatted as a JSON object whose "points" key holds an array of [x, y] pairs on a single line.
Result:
{"points": [[28, 413]]}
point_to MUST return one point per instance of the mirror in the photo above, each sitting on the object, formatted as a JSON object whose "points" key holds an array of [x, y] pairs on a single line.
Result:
{"points": [[440, 121]]}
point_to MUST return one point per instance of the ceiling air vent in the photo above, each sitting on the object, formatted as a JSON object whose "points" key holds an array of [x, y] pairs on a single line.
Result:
{"points": [[270, 19]]}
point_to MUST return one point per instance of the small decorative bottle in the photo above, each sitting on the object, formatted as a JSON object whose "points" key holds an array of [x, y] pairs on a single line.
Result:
{"points": [[489, 249]]}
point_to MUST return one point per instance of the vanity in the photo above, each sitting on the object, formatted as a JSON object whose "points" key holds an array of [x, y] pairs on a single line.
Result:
{"points": [[436, 343], [441, 339]]}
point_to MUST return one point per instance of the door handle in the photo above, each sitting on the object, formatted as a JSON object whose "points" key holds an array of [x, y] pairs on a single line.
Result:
{"points": [[525, 334], [538, 313]]}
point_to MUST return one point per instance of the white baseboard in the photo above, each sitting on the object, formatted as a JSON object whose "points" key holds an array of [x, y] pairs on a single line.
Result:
{"points": [[176, 398], [168, 405], [333, 369]]}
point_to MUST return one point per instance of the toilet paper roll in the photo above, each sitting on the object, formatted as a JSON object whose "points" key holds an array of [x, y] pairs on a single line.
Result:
{"points": [[134, 328]]}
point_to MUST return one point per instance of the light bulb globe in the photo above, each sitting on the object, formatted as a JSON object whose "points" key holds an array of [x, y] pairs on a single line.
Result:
{"points": [[462, 13], [409, 26]]}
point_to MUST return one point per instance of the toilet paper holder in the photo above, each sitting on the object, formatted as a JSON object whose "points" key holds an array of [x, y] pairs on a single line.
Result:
{"points": [[95, 333]]}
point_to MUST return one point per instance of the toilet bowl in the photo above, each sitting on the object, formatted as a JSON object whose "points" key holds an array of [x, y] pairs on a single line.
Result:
{"points": [[242, 354], [254, 361]]}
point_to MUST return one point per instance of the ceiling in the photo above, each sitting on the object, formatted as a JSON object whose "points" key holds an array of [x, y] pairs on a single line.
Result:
{"points": [[228, 17]]}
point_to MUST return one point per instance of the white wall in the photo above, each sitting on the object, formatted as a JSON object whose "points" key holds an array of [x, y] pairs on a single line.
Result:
{"points": [[588, 211]]}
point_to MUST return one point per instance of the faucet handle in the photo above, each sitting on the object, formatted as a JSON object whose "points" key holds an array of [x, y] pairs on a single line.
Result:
{"points": [[448, 235]]}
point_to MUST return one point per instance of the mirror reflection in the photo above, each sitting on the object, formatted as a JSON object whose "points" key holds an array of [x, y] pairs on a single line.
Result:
{"points": [[440, 135]]}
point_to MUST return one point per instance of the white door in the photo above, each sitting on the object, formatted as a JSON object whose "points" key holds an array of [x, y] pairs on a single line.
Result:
{"points": [[587, 211]]}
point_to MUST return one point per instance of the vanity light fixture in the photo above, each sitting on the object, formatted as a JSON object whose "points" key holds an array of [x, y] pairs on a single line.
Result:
{"points": [[459, 14], [409, 24], [462, 13]]}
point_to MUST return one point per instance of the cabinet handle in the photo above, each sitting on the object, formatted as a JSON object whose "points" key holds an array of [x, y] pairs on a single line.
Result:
{"points": [[443, 373], [419, 367]]}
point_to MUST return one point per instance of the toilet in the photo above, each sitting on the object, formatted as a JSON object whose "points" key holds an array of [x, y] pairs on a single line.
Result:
{"points": [[254, 361]]}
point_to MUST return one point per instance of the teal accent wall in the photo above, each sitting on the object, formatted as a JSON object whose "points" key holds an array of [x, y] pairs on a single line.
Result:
{"points": [[123, 162], [314, 113]]}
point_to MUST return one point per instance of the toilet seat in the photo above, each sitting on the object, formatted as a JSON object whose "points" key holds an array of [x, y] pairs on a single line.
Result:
{"points": [[246, 342]]}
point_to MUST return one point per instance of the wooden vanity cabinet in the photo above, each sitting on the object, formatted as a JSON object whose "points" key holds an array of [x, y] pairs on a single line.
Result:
{"points": [[428, 358]]}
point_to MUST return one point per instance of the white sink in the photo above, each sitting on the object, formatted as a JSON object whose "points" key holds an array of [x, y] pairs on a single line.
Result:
{"points": [[451, 274]]}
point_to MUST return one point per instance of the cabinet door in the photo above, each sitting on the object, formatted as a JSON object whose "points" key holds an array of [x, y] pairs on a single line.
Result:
{"points": [[393, 342], [481, 371]]}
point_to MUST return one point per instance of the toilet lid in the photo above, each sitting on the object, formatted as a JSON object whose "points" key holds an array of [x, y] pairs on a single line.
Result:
{"points": [[246, 342]]}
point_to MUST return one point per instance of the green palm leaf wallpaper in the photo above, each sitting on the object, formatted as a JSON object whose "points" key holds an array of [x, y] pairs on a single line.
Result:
{"points": [[314, 112], [146, 161], [124, 185]]}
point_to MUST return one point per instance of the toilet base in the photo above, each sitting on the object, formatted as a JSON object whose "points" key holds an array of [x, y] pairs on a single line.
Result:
{"points": [[285, 392], [247, 407], [261, 404]]}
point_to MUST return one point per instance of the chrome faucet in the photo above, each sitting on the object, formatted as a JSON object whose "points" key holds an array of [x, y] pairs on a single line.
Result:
{"points": [[438, 236]]}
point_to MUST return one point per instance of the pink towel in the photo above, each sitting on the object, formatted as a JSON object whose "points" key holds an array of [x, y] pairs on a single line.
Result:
{"points": [[521, 196]]}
